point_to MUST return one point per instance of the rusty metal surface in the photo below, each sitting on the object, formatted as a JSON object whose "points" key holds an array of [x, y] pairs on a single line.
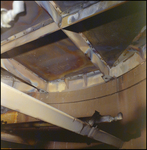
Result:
{"points": [[52, 57], [9, 117], [113, 30], [32, 16]]}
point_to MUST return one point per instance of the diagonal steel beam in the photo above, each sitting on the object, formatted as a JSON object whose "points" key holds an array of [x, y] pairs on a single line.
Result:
{"points": [[51, 10], [74, 16], [84, 45], [28, 105]]}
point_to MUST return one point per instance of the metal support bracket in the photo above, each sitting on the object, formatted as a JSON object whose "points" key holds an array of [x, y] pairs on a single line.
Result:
{"points": [[97, 118]]}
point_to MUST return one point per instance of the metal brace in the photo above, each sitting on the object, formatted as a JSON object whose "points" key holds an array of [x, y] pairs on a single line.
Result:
{"points": [[97, 118]]}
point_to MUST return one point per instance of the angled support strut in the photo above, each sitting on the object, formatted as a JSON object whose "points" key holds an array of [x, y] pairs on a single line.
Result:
{"points": [[19, 101]]}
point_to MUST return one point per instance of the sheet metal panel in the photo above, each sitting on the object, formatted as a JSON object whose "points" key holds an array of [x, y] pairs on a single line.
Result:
{"points": [[52, 57], [110, 32]]}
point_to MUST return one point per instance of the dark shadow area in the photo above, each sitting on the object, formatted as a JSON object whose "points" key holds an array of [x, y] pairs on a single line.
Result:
{"points": [[47, 39], [102, 146], [130, 130], [113, 30], [113, 14], [6, 144]]}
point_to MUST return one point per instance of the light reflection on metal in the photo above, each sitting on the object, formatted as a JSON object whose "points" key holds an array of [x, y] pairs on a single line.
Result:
{"points": [[126, 65], [71, 84], [23, 73], [12, 138], [52, 115], [14, 82]]}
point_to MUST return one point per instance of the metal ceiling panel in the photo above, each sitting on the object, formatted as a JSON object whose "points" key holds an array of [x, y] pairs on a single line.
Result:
{"points": [[111, 32], [52, 57], [32, 16], [111, 39]]}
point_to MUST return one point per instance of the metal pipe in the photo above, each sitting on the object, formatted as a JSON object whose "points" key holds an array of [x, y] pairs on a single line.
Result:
{"points": [[12, 138], [16, 100]]}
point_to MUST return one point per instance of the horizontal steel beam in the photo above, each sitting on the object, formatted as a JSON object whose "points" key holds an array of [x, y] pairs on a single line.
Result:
{"points": [[28, 105], [66, 19], [27, 36]]}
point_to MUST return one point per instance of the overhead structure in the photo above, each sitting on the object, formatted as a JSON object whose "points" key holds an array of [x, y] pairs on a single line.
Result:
{"points": [[52, 49]]}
